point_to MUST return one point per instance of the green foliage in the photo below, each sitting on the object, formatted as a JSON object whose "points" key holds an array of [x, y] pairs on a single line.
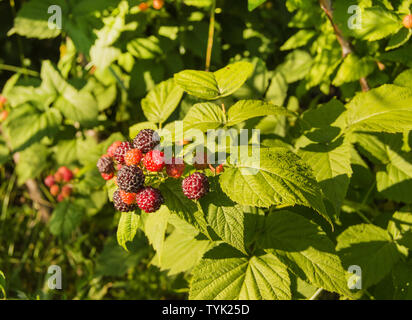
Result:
{"points": [[321, 184]]}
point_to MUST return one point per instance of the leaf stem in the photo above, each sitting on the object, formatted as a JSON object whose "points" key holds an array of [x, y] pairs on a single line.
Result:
{"points": [[211, 35], [19, 70]]}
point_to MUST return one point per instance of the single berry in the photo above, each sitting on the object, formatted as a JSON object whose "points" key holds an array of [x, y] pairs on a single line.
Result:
{"points": [[3, 115], [58, 176], [195, 186], [149, 199], [54, 190], [119, 205], [66, 173], [176, 168], [128, 198], [60, 198], [132, 157], [121, 151], [66, 191], [154, 161], [143, 6], [146, 140], [130, 179], [3, 101], [200, 161], [218, 169], [107, 176], [158, 4], [105, 164], [49, 181], [112, 149], [407, 21]]}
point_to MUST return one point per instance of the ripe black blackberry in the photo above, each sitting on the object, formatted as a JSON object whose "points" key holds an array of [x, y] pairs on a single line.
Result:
{"points": [[146, 140], [149, 199], [195, 186], [119, 205], [130, 179], [121, 151], [105, 164]]}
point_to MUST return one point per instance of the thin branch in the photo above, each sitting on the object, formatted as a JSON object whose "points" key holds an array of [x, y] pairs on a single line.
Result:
{"points": [[346, 46], [211, 35]]}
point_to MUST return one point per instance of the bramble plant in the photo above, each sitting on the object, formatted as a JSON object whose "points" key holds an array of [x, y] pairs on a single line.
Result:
{"points": [[243, 149]]}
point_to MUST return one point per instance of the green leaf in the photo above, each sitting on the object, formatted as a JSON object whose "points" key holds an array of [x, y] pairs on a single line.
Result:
{"points": [[233, 223], [331, 164], [32, 162], [404, 79], [219, 84], [253, 4], [27, 125], [278, 89], [299, 39], [155, 226], [399, 39], [370, 248], [145, 48], [275, 176], [198, 3], [204, 116], [126, 230], [32, 19], [177, 203], [4, 151], [377, 23], [296, 66], [304, 248], [394, 174], [135, 129], [74, 104], [353, 68], [66, 218], [400, 227], [161, 101], [181, 252], [226, 274], [248, 109], [387, 108]]}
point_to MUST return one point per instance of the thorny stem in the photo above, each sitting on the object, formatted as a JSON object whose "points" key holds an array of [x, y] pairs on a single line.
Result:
{"points": [[326, 6], [211, 35]]}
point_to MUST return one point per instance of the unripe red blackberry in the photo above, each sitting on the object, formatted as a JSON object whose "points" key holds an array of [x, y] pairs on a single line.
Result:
{"points": [[195, 186], [66, 173], [128, 198], [130, 179], [146, 140], [54, 190], [149, 199], [49, 181], [175, 170], [66, 191], [105, 164], [154, 161], [121, 151], [119, 205], [107, 176], [158, 4], [132, 157], [407, 21], [112, 149]]}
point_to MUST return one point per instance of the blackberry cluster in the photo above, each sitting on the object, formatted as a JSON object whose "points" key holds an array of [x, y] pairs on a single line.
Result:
{"points": [[137, 166], [59, 183]]}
